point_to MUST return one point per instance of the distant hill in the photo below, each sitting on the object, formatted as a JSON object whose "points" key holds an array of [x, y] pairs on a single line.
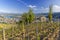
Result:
{"points": [[55, 15]]}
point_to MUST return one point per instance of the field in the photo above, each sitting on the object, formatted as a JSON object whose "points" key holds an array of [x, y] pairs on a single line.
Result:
{"points": [[34, 31]]}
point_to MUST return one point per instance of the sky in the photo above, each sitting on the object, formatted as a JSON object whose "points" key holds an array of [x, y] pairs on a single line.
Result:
{"points": [[21, 6]]}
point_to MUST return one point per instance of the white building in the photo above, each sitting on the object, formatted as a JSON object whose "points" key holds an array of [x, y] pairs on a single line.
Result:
{"points": [[42, 18], [6, 20]]}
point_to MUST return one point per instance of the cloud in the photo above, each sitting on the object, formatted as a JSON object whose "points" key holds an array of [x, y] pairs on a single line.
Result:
{"points": [[4, 11], [56, 8], [31, 6], [9, 11], [41, 10]]}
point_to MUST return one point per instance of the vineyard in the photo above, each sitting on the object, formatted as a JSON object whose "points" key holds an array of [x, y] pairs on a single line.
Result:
{"points": [[33, 31]]}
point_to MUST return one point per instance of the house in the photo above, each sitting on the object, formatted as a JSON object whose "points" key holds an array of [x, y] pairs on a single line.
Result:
{"points": [[42, 19]]}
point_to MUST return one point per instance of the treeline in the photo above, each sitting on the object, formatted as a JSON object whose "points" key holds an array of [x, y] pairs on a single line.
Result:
{"points": [[28, 17]]}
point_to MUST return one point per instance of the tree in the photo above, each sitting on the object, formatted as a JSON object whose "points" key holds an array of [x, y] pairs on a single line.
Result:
{"points": [[28, 17], [50, 13], [25, 18], [31, 15]]}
